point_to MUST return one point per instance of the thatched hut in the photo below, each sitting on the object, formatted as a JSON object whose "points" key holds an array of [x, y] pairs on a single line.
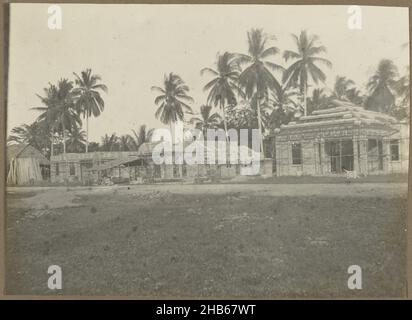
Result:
{"points": [[26, 165]]}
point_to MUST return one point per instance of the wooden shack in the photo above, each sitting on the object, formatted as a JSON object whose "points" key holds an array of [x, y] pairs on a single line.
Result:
{"points": [[26, 165]]}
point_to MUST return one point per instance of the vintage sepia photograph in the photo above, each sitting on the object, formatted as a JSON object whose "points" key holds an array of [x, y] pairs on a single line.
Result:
{"points": [[207, 151]]}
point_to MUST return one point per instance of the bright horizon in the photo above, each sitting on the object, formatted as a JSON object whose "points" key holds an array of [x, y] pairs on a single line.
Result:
{"points": [[133, 46]]}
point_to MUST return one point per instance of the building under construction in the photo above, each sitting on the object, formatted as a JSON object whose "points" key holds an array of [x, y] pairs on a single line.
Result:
{"points": [[340, 139]]}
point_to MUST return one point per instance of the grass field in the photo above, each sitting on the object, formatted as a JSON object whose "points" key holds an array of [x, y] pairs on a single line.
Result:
{"points": [[246, 240]]}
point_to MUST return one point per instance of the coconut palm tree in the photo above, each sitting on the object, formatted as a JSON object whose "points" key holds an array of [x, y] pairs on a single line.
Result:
{"points": [[380, 87], [355, 96], [207, 119], [403, 89], [320, 99], [284, 105], [48, 116], [109, 143], [257, 78], [35, 134], [401, 109], [223, 86], [284, 97], [59, 110], [90, 102], [342, 86], [25, 133], [124, 142], [173, 100], [306, 62], [94, 146], [76, 140], [140, 136]]}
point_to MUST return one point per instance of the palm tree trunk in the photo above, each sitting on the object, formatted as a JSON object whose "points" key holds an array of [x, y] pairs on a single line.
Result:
{"points": [[64, 138], [305, 98], [87, 132], [51, 145], [64, 149], [172, 137], [260, 125], [222, 106], [171, 132]]}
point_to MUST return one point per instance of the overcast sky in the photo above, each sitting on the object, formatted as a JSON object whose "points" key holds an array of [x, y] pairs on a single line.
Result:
{"points": [[133, 46]]}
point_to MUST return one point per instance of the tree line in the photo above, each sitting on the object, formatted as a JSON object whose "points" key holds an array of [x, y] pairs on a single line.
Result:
{"points": [[249, 90]]}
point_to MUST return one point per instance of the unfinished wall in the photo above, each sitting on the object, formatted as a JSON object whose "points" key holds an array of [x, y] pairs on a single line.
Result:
{"points": [[64, 175]]}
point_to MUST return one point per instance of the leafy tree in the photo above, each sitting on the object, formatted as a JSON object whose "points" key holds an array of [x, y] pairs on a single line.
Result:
{"points": [[94, 146], [380, 87], [401, 109], [403, 89]]}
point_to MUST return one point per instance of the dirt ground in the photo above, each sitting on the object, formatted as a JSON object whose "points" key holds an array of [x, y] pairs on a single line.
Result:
{"points": [[240, 240]]}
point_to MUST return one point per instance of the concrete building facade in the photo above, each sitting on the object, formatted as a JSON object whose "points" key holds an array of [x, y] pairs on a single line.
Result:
{"points": [[344, 138]]}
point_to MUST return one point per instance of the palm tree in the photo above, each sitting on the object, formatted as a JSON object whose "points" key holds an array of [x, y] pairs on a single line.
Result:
{"points": [[403, 89], [256, 78], [59, 110], [48, 116], [35, 134], [207, 119], [401, 110], [172, 100], [319, 100], [305, 65], [94, 146], [283, 97], [109, 143], [124, 143], [76, 140], [355, 96], [141, 136], [89, 101], [380, 87], [342, 86], [224, 84], [25, 133], [284, 105]]}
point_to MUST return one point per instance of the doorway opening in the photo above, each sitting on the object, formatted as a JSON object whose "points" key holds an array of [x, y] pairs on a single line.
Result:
{"points": [[340, 154]]}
